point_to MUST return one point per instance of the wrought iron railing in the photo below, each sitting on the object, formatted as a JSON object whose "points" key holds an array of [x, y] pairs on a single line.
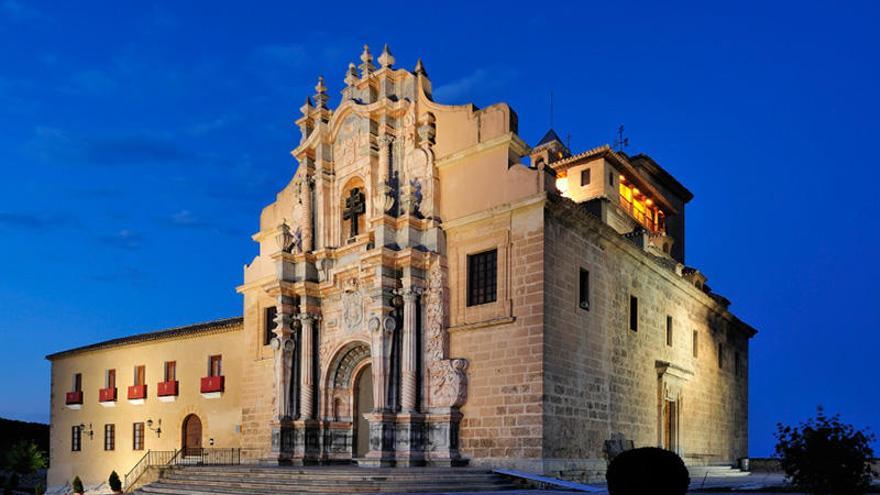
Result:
{"points": [[183, 457], [151, 458]]}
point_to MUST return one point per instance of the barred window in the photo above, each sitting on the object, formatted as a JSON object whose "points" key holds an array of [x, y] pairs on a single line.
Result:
{"points": [[482, 277], [137, 436], [109, 437], [76, 439], [269, 324]]}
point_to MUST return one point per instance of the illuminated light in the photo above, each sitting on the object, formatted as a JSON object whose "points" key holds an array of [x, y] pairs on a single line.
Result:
{"points": [[562, 185], [649, 202], [622, 178], [635, 190]]}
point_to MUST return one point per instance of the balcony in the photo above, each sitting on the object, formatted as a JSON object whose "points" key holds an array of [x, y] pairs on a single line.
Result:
{"points": [[74, 400], [167, 391], [137, 394], [107, 397], [212, 387]]}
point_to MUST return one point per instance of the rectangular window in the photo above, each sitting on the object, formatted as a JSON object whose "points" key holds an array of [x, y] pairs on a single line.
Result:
{"points": [[270, 325], [585, 177], [584, 290], [137, 436], [110, 379], [170, 371], [634, 313], [482, 274], [214, 365], [736, 364], [109, 437], [669, 330], [611, 178], [140, 375], [76, 439], [696, 344], [77, 382], [721, 355]]}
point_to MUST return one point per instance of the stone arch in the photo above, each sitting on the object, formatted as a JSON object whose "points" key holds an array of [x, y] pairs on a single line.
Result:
{"points": [[338, 379]]}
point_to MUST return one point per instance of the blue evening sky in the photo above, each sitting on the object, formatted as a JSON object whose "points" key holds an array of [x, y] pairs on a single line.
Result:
{"points": [[139, 141]]}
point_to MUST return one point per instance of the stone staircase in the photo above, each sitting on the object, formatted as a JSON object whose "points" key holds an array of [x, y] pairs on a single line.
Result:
{"points": [[252, 480], [716, 471]]}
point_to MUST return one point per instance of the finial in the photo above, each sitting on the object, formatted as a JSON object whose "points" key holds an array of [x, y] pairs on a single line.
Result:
{"points": [[420, 68], [386, 59], [307, 107], [351, 75], [367, 66], [321, 93]]}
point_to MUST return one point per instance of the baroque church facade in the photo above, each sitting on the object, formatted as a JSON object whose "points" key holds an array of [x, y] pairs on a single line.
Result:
{"points": [[430, 289]]}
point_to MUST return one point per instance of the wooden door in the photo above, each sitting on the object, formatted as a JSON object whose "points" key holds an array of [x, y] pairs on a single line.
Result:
{"points": [[192, 435], [669, 425], [363, 401], [140, 375]]}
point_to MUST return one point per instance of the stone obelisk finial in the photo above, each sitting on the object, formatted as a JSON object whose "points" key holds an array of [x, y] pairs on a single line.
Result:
{"points": [[386, 59], [367, 66], [420, 68]]}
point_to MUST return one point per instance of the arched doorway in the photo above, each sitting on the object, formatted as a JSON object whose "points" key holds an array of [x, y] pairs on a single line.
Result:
{"points": [[363, 403], [191, 439]]}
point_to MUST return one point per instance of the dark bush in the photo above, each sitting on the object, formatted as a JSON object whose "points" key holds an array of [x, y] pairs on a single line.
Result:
{"points": [[824, 455], [11, 484], [25, 457], [114, 482], [647, 470], [77, 485]]}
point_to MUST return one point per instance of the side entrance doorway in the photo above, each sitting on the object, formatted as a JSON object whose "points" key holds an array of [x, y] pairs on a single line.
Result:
{"points": [[192, 435], [363, 403]]}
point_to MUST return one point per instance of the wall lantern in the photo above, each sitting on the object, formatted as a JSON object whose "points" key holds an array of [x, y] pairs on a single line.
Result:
{"points": [[157, 429], [90, 432]]}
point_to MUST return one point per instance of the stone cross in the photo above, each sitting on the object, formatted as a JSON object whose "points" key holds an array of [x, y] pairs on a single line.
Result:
{"points": [[354, 207]]}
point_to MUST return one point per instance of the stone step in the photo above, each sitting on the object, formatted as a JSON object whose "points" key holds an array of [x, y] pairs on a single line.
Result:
{"points": [[255, 480], [715, 472]]}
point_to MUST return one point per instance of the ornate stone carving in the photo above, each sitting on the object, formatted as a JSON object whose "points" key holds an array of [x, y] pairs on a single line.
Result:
{"points": [[283, 237], [352, 304], [448, 377]]}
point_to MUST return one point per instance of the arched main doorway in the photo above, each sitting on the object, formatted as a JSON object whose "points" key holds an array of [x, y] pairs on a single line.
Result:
{"points": [[363, 403], [191, 438]]}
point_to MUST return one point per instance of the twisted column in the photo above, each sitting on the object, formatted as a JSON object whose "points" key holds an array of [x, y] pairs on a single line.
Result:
{"points": [[307, 368], [283, 354], [409, 354]]}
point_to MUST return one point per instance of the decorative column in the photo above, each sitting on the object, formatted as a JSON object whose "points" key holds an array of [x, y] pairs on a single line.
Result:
{"points": [[409, 356], [283, 347], [306, 446], [381, 419], [306, 222], [409, 424]]}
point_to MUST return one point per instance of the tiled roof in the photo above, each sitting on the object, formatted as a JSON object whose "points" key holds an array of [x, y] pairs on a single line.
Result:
{"points": [[169, 333]]}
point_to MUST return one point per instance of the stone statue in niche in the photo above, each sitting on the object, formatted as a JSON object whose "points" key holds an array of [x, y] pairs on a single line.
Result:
{"points": [[296, 246]]}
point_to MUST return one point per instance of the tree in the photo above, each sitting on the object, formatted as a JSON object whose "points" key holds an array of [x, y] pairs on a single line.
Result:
{"points": [[647, 470], [77, 485], [826, 456], [25, 457], [114, 482]]}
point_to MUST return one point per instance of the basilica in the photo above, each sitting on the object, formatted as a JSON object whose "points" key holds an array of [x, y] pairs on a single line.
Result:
{"points": [[430, 289]]}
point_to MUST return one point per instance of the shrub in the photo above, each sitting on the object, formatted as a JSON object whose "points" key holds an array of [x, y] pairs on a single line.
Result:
{"points": [[77, 485], [25, 457], [647, 470], [115, 483], [39, 488], [824, 455]]}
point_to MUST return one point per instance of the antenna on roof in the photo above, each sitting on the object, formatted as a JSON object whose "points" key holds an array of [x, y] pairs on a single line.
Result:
{"points": [[621, 142], [551, 109], [568, 140]]}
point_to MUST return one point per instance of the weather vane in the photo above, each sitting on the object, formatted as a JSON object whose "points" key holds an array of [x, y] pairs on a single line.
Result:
{"points": [[621, 142]]}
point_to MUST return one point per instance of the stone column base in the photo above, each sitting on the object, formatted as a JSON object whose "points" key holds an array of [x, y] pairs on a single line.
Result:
{"points": [[306, 445], [441, 429], [283, 435], [409, 440], [381, 453]]}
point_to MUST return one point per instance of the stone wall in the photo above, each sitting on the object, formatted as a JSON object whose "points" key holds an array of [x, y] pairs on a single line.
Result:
{"points": [[257, 393], [502, 342], [601, 378]]}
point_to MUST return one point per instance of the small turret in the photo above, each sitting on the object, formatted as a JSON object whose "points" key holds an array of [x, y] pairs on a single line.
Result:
{"points": [[366, 66], [549, 149]]}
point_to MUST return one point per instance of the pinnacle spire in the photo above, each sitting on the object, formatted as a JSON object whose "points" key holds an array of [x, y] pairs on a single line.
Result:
{"points": [[351, 75], [307, 106], [420, 68], [321, 93], [366, 66], [386, 59]]}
